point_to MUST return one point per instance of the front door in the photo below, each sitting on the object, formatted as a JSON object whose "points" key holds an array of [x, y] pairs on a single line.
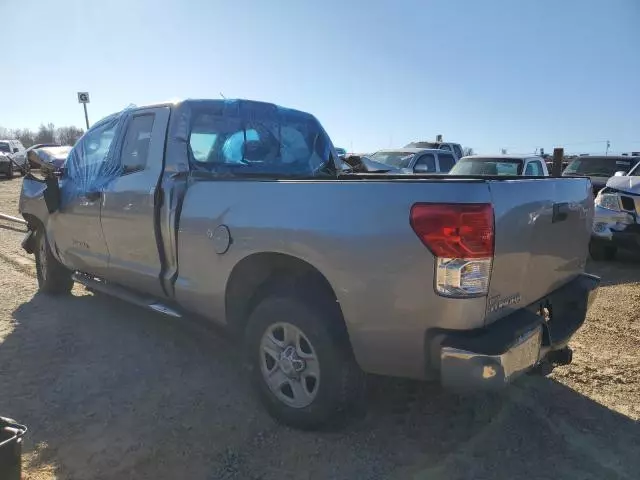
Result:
{"points": [[129, 204], [75, 230]]}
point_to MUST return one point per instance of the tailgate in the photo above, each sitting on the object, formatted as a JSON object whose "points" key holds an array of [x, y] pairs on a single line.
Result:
{"points": [[542, 231]]}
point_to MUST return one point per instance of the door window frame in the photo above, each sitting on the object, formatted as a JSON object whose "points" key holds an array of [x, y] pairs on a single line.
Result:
{"points": [[435, 162], [138, 113], [531, 162]]}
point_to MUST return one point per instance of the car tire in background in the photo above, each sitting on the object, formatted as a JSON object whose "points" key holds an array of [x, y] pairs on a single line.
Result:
{"points": [[10, 172], [53, 277], [302, 366], [601, 252]]}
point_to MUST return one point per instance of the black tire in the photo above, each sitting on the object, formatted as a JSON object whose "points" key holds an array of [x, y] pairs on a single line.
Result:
{"points": [[10, 172], [52, 276], [341, 382], [601, 252]]}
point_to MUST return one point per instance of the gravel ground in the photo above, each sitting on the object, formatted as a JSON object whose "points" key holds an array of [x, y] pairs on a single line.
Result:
{"points": [[110, 391]]}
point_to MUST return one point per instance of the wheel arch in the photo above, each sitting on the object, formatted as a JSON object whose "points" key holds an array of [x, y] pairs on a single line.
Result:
{"points": [[257, 274]]}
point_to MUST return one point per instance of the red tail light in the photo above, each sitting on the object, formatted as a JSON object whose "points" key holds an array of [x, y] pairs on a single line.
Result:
{"points": [[455, 230]]}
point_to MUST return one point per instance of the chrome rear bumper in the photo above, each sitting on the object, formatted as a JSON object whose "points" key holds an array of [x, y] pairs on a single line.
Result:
{"points": [[461, 368], [493, 356]]}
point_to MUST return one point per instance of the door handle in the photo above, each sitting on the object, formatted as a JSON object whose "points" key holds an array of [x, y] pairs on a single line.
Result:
{"points": [[560, 212]]}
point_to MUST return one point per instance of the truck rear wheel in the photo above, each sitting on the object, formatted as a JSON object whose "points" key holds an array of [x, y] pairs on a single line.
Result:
{"points": [[304, 374], [53, 277], [601, 252]]}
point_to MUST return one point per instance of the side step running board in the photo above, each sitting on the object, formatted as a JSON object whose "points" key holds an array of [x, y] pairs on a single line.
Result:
{"points": [[125, 294]]}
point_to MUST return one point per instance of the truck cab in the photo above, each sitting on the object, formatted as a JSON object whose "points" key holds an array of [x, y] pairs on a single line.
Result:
{"points": [[454, 148], [501, 165]]}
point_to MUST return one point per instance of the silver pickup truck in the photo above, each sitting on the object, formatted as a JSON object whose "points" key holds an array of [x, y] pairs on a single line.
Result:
{"points": [[238, 211]]}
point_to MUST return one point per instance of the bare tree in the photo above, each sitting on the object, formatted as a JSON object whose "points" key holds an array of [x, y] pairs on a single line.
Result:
{"points": [[5, 133], [503, 151], [468, 151], [46, 133], [26, 137], [68, 135]]}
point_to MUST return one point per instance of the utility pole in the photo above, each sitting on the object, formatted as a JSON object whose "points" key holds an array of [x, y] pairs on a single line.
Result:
{"points": [[606, 153], [558, 156]]}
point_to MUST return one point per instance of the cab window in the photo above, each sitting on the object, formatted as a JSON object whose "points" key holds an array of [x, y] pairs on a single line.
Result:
{"points": [[534, 169], [135, 149], [425, 164], [446, 162]]}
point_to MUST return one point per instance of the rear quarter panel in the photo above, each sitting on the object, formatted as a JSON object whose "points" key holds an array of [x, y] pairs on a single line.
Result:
{"points": [[356, 233]]}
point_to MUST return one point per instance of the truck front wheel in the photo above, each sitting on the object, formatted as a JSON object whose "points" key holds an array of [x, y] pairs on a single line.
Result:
{"points": [[53, 277], [304, 374]]}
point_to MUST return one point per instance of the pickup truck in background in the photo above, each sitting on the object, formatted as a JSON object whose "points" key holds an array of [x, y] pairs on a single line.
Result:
{"points": [[234, 210], [615, 222], [454, 148], [414, 160], [509, 165], [599, 168]]}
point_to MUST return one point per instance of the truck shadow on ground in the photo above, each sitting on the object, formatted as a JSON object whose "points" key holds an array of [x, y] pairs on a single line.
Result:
{"points": [[624, 269], [112, 391]]}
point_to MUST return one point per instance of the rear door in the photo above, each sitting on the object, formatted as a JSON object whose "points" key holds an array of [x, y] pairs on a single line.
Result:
{"points": [[130, 201], [542, 231]]}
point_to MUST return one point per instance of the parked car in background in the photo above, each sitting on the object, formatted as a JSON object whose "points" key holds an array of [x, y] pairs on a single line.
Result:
{"points": [[23, 156], [447, 279], [7, 167], [599, 168], [53, 156], [509, 165], [615, 221], [9, 163], [11, 147], [454, 148], [10, 157], [415, 160]]}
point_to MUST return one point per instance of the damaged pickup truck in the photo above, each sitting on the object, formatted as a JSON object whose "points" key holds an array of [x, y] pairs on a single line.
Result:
{"points": [[235, 211], [615, 222]]}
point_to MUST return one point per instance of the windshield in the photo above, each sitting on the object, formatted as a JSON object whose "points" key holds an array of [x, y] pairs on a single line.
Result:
{"points": [[393, 159], [487, 166], [4, 147], [599, 166]]}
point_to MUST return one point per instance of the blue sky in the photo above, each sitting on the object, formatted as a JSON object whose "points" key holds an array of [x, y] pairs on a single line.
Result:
{"points": [[488, 74]]}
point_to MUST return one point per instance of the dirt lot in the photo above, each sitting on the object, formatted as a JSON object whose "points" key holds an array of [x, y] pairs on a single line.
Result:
{"points": [[110, 391]]}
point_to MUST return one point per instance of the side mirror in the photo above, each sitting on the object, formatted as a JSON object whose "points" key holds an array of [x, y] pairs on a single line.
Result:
{"points": [[15, 150], [619, 173], [421, 168]]}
